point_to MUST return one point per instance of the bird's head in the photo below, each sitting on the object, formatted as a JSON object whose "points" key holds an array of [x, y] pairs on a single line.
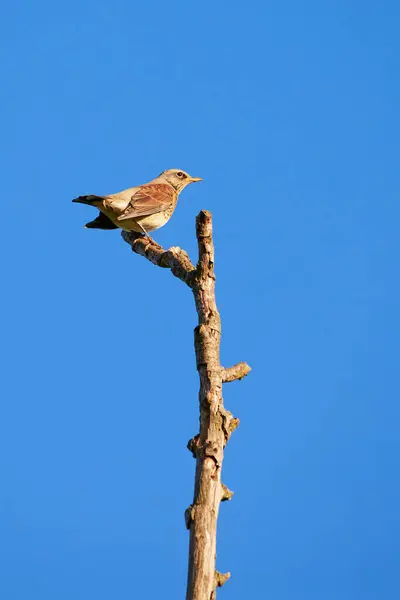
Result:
{"points": [[178, 178]]}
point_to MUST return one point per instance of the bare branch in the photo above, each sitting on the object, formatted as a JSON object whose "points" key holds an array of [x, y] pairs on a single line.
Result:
{"points": [[229, 423], [226, 493], [221, 578], [193, 444], [212, 437], [189, 516], [216, 423], [236, 372], [175, 258]]}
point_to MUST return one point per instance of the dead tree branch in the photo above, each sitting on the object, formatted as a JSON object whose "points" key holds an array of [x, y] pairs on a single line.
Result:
{"points": [[236, 372], [216, 423]]}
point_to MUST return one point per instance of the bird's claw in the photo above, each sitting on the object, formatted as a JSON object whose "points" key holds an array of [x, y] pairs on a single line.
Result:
{"points": [[150, 240]]}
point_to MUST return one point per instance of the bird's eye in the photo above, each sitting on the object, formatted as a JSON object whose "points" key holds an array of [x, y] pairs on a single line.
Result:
{"points": [[181, 175]]}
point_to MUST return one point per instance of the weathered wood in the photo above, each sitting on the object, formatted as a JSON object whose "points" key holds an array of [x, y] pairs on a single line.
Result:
{"points": [[216, 423], [236, 372], [211, 442], [175, 258]]}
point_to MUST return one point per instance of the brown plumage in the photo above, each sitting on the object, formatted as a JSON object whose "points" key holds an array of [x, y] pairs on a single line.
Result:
{"points": [[143, 208]]}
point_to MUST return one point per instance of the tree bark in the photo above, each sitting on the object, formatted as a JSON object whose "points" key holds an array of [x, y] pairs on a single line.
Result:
{"points": [[216, 423]]}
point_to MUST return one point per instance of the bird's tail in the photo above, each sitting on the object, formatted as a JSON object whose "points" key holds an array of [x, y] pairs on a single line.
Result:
{"points": [[91, 200]]}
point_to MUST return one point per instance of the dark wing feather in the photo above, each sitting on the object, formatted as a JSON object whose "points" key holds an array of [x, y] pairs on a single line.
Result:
{"points": [[101, 222], [150, 199]]}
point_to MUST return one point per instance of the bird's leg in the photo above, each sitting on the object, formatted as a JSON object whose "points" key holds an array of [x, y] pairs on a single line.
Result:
{"points": [[146, 234]]}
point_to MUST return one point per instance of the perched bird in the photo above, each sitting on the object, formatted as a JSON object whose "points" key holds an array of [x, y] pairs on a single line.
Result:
{"points": [[142, 208]]}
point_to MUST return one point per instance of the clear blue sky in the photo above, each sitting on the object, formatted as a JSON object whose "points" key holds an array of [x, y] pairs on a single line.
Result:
{"points": [[290, 112]]}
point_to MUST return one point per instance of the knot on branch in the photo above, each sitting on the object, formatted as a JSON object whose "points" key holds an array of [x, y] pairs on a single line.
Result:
{"points": [[229, 423], [221, 578], [193, 445], [209, 449], [236, 372], [212, 449], [226, 493], [189, 515]]}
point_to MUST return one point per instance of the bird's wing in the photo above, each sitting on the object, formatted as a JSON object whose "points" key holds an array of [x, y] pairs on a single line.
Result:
{"points": [[101, 222], [149, 199]]}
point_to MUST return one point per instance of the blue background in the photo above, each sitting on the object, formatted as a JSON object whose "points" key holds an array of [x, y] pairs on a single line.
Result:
{"points": [[290, 112]]}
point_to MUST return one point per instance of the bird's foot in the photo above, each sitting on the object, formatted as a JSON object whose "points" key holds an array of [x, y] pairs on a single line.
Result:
{"points": [[150, 239]]}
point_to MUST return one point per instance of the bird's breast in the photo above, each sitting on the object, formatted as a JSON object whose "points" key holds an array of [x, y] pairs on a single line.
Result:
{"points": [[150, 222], [155, 221]]}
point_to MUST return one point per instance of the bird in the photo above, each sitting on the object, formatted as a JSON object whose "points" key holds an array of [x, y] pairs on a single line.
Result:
{"points": [[142, 208]]}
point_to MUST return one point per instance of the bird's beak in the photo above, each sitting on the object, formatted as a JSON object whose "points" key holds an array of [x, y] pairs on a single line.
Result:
{"points": [[195, 179]]}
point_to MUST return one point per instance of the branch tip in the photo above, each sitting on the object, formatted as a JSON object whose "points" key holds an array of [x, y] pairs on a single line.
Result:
{"points": [[230, 423], [236, 372], [221, 578], [189, 516], [234, 424], [226, 493], [192, 445]]}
